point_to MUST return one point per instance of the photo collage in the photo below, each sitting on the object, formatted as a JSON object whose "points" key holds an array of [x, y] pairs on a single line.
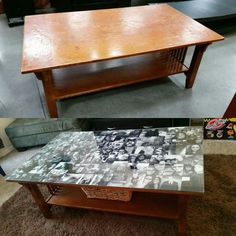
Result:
{"points": [[165, 158]]}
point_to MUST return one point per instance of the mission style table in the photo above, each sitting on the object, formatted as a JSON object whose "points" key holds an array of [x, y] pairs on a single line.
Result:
{"points": [[148, 172], [76, 53]]}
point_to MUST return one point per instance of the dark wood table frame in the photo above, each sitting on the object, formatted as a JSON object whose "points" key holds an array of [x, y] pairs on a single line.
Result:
{"points": [[170, 205]]}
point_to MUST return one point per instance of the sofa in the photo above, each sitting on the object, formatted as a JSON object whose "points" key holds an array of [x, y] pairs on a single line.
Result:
{"points": [[26, 133]]}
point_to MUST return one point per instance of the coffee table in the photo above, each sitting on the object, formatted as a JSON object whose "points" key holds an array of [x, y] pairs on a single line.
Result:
{"points": [[148, 172], [76, 53]]}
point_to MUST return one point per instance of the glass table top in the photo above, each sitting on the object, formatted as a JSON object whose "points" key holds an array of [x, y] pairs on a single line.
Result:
{"points": [[163, 159]]}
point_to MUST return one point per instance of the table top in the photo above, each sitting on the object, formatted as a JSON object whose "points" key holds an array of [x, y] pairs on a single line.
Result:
{"points": [[63, 39], [156, 159]]}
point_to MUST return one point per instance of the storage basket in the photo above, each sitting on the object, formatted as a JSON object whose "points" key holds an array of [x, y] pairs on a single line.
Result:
{"points": [[108, 194]]}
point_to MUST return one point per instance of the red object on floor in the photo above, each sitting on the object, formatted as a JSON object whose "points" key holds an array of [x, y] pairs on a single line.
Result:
{"points": [[231, 110]]}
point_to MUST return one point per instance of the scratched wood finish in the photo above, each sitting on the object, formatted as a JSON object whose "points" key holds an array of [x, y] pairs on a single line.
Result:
{"points": [[64, 39]]}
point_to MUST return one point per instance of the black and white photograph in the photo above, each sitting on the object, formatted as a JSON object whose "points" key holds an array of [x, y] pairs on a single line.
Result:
{"points": [[166, 158]]}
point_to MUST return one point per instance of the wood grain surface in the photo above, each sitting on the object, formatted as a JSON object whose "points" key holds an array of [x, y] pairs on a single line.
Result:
{"points": [[149, 204], [98, 76], [64, 39]]}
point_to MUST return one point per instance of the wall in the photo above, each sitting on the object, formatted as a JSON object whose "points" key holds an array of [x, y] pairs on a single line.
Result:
{"points": [[4, 122]]}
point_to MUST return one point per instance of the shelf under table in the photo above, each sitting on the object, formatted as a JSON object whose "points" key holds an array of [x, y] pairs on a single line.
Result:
{"points": [[142, 203], [98, 76]]}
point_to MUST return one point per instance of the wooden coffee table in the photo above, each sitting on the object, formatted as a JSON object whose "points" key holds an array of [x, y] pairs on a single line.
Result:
{"points": [[149, 172], [77, 53]]}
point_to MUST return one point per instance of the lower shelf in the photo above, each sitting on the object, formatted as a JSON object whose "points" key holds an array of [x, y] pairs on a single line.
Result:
{"points": [[147, 204], [98, 76]]}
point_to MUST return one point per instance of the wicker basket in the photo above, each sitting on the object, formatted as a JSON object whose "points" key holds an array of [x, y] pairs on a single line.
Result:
{"points": [[108, 194]]}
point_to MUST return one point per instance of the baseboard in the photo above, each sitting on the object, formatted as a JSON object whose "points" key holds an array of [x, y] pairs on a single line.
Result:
{"points": [[6, 150]]}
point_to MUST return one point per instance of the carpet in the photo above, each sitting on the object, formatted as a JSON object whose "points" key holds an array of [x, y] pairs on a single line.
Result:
{"points": [[212, 214]]}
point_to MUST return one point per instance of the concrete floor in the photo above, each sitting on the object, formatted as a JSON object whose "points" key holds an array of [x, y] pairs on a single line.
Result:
{"points": [[15, 160], [22, 95]]}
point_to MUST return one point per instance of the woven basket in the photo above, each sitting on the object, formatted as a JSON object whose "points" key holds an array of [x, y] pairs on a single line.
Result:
{"points": [[108, 194]]}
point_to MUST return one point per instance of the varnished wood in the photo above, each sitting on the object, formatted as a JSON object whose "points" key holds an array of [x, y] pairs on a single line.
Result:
{"points": [[64, 39], [194, 66], [182, 211], [39, 199], [111, 48], [53, 189], [149, 204], [99, 76], [50, 189], [165, 204], [48, 85], [231, 109]]}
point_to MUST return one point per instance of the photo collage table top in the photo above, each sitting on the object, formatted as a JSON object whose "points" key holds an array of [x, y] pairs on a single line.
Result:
{"points": [[164, 158]]}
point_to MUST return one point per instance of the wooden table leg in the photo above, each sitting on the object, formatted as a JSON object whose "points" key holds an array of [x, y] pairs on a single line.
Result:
{"points": [[195, 63], [39, 199], [47, 79], [182, 221]]}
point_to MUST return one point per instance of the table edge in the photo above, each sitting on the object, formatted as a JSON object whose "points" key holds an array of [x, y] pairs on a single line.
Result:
{"points": [[112, 187], [25, 71]]}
